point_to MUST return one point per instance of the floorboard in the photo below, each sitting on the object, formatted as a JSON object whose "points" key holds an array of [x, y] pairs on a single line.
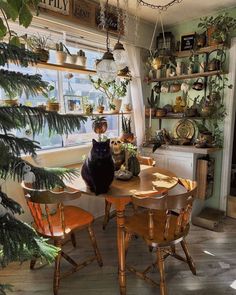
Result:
{"points": [[214, 254]]}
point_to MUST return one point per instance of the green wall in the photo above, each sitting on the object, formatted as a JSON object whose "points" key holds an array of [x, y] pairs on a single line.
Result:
{"points": [[178, 30]]}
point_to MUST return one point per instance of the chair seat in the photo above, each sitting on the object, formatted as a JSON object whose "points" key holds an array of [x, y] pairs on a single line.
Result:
{"points": [[75, 218], [138, 224]]}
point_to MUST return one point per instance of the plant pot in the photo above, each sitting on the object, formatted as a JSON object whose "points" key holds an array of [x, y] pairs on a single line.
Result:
{"points": [[147, 112], [60, 57], [88, 110], [210, 40], [206, 136], [42, 106], [100, 109], [160, 113], [117, 103], [11, 102], [100, 127], [71, 59], [127, 137], [53, 106], [81, 61], [201, 40], [206, 111], [43, 54]]}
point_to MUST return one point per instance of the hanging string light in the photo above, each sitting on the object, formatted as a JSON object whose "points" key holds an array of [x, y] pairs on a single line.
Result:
{"points": [[160, 7], [106, 67], [119, 52]]}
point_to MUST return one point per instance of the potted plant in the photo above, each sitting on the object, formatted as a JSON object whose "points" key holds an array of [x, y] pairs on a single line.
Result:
{"points": [[52, 102], [60, 53], [131, 162], [127, 134], [99, 125], [39, 45], [113, 90], [70, 58], [153, 103], [88, 109], [100, 107], [218, 28], [81, 59]]}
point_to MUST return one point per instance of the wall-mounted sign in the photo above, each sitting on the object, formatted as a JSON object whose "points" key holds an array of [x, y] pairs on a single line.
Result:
{"points": [[187, 42], [60, 6]]}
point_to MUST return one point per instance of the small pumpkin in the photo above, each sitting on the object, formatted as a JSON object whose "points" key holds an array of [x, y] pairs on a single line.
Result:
{"points": [[133, 165]]}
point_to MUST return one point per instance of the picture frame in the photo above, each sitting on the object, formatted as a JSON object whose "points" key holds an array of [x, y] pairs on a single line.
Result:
{"points": [[187, 42], [73, 103]]}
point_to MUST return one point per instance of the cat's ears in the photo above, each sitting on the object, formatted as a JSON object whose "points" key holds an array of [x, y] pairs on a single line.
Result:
{"points": [[107, 141]]}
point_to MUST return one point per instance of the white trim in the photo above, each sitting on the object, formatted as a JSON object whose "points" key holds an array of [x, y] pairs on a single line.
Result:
{"points": [[230, 104]]}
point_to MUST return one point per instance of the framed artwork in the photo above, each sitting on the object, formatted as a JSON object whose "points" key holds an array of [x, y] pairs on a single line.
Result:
{"points": [[73, 103], [187, 42]]}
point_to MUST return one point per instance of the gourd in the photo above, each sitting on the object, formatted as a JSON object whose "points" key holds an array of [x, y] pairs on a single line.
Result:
{"points": [[133, 165]]}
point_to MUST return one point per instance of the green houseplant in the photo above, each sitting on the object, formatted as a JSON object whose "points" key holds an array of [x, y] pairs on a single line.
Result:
{"points": [[113, 90], [127, 134], [218, 28], [52, 102], [39, 45], [19, 241]]}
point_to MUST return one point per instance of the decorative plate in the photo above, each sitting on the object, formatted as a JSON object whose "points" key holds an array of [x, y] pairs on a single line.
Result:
{"points": [[184, 129]]}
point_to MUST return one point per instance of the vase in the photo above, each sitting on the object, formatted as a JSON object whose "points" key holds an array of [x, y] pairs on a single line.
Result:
{"points": [[81, 61], [117, 103], [60, 57]]}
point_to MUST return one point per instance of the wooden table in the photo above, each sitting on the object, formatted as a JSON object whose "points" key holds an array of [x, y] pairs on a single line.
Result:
{"points": [[151, 181]]}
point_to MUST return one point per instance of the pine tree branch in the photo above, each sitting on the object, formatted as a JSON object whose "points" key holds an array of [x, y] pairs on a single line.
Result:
{"points": [[46, 178], [18, 145], [20, 242], [38, 118], [17, 55], [4, 288], [10, 204], [16, 82]]}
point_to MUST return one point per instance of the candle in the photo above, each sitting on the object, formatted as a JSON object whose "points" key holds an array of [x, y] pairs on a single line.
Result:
{"points": [[150, 118]]}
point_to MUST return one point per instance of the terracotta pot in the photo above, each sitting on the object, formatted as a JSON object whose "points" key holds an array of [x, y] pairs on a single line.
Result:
{"points": [[210, 40], [127, 137], [53, 106], [60, 57], [11, 102], [147, 112], [206, 137], [100, 127], [160, 113], [100, 109], [42, 106], [43, 54], [207, 111]]}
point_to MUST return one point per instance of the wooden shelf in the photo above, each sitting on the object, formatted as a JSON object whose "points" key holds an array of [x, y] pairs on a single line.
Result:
{"points": [[202, 50], [98, 114], [65, 68], [179, 118], [183, 77], [187, 149]]}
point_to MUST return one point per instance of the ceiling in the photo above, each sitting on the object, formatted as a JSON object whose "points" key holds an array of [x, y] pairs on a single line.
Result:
{"points": [[186, 10]]}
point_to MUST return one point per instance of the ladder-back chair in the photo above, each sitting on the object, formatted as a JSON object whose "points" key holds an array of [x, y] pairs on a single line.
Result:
{"points": [[59, 224], [163, 224], [107, 216]]}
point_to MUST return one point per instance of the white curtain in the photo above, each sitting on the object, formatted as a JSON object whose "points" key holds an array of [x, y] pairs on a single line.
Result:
{"points": [[136, 92]]}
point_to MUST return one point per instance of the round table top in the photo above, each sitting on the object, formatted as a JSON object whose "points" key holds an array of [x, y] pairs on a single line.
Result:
{"points": [[151, 181]]}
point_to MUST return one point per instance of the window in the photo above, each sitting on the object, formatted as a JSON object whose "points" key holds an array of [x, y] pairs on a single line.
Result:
{"points": [[72, 90]]}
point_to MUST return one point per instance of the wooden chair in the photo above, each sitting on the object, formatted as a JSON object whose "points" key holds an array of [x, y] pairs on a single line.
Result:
{"points": [[107, 216], [163, 224], [60, 225]]}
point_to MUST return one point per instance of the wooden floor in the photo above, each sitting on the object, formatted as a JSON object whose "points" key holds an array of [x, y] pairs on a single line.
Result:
{"points": [[213, 252]]}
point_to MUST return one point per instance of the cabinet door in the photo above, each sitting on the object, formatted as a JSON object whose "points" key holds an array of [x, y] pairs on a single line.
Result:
{"points": [[180, 165], [160, 160]]}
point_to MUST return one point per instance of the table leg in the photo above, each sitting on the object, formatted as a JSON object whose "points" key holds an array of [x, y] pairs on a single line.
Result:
{"points": [[121, 250], [120, 204]]}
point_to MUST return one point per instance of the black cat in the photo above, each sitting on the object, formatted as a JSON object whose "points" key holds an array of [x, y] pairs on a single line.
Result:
{"points": [[98, 169]]}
